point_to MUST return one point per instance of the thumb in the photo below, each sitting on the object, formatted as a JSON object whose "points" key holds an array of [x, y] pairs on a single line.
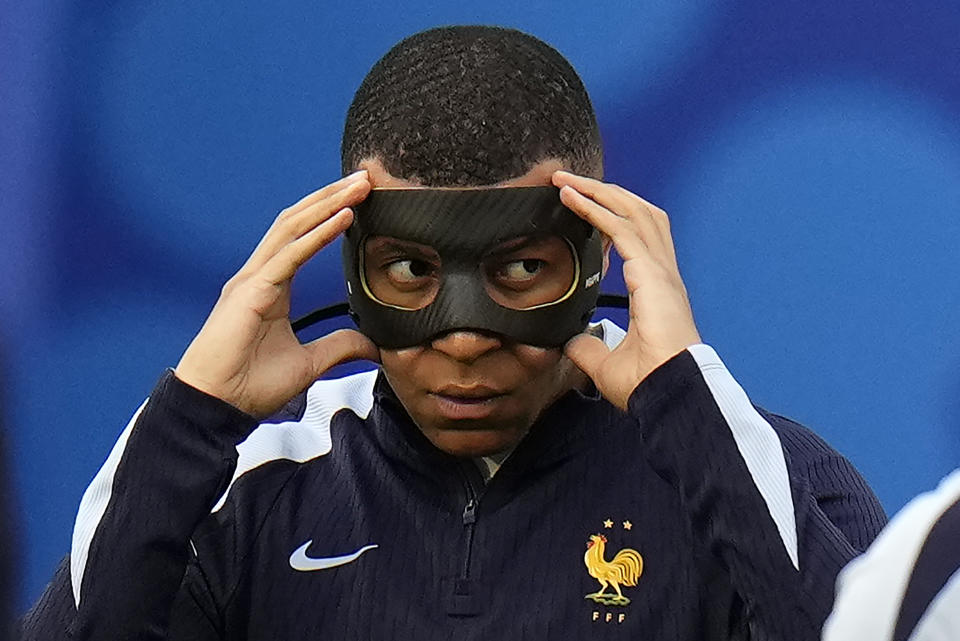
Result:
{"points": [[587, 352], [339, 347]]}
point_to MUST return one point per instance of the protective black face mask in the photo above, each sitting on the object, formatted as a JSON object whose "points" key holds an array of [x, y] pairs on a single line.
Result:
{"points": [[512, 261]]}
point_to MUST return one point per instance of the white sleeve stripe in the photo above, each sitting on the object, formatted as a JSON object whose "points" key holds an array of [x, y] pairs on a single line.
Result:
{"points": [[757, 442], [308, 438], [93, 505], [612, 333]]}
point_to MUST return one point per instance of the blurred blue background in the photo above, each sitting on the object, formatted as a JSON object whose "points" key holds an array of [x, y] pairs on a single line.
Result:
{"points": [[807, 151]]}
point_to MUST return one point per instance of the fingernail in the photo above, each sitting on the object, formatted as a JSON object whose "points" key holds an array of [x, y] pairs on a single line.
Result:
{"points": [[357, 175]]}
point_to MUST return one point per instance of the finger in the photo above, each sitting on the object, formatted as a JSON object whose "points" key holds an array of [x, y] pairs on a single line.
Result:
{"points": [[626, 204], [587, 352], [609, 195], [310, 217], [339, 347], [324, 192], [621, 231], [284, 264], [273, 240], [613, 197], [288, 229]]}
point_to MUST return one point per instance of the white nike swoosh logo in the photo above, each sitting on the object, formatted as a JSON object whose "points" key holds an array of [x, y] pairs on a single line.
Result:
{"points": [[303, 563]]}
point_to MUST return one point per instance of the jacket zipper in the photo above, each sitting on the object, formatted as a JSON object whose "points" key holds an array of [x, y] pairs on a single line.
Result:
{"points": [[469, 519]]}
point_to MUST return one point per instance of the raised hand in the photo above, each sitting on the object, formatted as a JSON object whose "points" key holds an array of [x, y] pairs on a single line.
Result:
{"points": [[661, 323], [246, 353]]}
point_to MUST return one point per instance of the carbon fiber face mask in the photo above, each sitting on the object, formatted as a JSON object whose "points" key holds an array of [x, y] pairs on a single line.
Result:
{"points": [[512, 261]]}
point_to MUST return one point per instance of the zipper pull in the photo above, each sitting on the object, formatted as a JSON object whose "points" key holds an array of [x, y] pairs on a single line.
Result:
{"points": [[470, 512]]}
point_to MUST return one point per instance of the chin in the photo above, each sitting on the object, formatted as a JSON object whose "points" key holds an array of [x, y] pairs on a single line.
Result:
{"points": [[473, 443]]}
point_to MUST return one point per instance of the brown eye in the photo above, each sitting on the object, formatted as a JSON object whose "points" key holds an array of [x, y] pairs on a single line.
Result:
{"points": [[521, 270], [400, 273], [529, 271], [408, 270]]}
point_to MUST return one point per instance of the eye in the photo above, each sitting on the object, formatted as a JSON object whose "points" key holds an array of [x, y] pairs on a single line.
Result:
{"points": [[521, 270], [408, 270]]}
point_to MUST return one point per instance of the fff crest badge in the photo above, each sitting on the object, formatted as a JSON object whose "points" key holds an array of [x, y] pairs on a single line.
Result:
{"points": [[622, 570]]}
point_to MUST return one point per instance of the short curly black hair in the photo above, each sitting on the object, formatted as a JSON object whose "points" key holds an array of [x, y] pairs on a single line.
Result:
{"points": [[471, 105]]}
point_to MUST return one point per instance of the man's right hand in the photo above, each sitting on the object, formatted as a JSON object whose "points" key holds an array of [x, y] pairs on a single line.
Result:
{"points": [[246, 353]]}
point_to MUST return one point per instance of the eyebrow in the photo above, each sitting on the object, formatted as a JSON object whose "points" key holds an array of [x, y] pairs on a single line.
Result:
{"points": [[516, 244], [388, 244]]}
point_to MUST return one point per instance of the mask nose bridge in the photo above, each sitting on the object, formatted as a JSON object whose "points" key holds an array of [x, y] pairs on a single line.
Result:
{"points": [[462, 298]]}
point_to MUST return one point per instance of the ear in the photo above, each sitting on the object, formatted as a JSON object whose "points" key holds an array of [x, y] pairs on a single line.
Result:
{"points": [[380, 177], [605, 244]]}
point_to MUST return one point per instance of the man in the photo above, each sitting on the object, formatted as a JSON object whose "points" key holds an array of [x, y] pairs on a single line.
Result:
{"points": [[471, 486]]}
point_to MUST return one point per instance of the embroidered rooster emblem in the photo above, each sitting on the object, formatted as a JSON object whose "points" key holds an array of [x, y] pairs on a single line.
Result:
{"points": [[624, 569]]}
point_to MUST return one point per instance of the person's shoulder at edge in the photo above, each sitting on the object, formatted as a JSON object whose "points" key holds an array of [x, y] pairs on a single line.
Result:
{"points": [[297, 433], [347, 391], [876, 589]]}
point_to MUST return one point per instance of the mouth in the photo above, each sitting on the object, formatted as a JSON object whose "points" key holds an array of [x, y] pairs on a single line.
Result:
{"points": [[456, 402]]}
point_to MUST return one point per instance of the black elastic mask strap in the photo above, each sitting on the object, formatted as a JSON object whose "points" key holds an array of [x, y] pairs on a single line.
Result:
{"points": [[343, 309], [322, 314]]}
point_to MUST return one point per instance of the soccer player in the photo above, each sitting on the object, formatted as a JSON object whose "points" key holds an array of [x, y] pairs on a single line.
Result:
{"points": [[508, 471]]}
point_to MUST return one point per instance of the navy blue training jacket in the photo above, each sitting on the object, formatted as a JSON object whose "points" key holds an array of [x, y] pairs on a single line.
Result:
{"points": [[706, 518]]}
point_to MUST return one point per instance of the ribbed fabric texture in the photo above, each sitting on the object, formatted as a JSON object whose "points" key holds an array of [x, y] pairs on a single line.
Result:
{"points": [[757, 443], [689, 443], [174, 458], [93, 505], [457, 558]]}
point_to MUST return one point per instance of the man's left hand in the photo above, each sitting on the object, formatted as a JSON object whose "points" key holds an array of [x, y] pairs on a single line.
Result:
{"points": [[661, 323]]}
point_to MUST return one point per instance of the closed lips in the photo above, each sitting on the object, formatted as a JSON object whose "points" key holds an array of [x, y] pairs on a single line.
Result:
{"points": [[468, 394]]}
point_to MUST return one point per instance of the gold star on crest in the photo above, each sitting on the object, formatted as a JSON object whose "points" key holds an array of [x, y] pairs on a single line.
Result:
{"points": [[608, 524], [627, 525]]}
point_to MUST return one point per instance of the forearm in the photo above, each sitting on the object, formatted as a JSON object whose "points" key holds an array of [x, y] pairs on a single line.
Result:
{"points": [[746, 504], [131, 539]]}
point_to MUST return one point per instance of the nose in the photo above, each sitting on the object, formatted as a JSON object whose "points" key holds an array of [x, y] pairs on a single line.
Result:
{"points": [[465, 345]]}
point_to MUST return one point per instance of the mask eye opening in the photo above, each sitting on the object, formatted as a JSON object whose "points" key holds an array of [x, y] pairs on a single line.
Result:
{"points": [[501, 300], [400, 275]]}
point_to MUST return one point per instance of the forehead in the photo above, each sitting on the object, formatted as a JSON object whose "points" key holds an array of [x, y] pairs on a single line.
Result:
{"points": [[539, 175]]}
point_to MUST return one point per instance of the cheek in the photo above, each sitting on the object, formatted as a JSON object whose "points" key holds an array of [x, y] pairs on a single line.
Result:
{"points": [[539, 362], [401, 357], [399, 365]]}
